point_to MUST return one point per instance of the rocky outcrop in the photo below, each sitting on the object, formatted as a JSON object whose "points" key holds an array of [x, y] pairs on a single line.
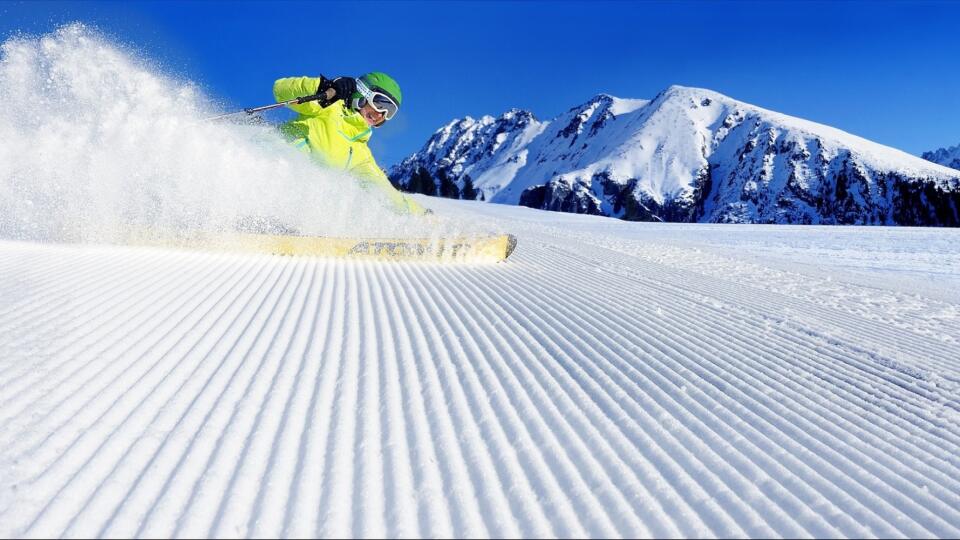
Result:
{"points": [[948, 157]]}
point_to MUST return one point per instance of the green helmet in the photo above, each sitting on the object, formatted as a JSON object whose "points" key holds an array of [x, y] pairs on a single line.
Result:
{"points": [[381, 90]]}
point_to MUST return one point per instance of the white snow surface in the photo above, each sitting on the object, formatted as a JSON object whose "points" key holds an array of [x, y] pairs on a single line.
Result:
{"points": [[611, 379]]}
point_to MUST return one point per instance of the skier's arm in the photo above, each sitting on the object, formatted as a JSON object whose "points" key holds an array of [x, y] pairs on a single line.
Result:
{"points": [[295, 87]]}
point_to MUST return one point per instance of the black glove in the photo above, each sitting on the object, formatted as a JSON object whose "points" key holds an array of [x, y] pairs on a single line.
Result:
{"points": [[343, 88]]}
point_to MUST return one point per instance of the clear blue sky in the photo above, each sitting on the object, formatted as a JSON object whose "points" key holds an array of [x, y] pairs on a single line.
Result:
{"points": [[887, 71]]}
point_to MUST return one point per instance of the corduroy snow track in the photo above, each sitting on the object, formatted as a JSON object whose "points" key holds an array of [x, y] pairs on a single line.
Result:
{"points": [[611, 379]]}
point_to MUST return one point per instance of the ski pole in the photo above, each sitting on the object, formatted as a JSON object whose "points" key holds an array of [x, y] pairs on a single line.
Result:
{"points": [[321, 97]]}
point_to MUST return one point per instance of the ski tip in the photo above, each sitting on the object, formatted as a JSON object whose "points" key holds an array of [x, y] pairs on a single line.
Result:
{"points": [[511, 245], [468, 249]]}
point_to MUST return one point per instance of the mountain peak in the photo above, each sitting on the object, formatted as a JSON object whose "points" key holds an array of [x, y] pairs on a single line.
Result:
{"points": [[601, 100], [696, 95], [517, 115]]}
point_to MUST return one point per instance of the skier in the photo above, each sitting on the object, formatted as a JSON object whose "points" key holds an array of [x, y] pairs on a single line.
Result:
{"points": [[335, 129]]}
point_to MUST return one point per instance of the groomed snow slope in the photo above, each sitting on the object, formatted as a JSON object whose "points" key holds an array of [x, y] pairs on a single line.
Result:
{"points": [[611, 379]]}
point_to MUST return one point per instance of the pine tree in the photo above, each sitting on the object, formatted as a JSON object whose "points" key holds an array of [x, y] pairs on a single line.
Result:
{"points": [[469, 192], [448, 188], [414, 185], [422, 182]]}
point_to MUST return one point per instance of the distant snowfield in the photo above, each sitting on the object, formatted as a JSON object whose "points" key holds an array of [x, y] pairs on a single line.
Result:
{"points": [[610, 379]]}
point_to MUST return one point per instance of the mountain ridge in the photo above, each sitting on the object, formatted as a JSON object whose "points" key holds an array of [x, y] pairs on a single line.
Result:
{"points": [[689, 155], [948, 157]]}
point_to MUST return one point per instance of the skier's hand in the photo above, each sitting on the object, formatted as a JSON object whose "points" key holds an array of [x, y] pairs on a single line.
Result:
{"points": [[343, 88]]}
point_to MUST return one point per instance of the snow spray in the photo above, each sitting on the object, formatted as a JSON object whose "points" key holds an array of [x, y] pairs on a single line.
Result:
{"points": [[95, 143]]}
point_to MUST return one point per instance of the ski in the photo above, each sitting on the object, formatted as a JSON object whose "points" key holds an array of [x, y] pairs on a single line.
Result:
{"points": [[481, 248]]}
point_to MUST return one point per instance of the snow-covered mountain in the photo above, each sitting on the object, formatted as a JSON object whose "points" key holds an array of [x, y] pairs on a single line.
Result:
{"points": [[949, 157], [689, 155]]}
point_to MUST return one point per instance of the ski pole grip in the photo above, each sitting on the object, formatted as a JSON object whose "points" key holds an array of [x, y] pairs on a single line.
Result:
{"points": [[323, 97]]}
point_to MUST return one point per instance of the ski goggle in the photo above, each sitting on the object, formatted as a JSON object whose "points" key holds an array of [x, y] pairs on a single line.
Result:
{"points": [[381, 102]]}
